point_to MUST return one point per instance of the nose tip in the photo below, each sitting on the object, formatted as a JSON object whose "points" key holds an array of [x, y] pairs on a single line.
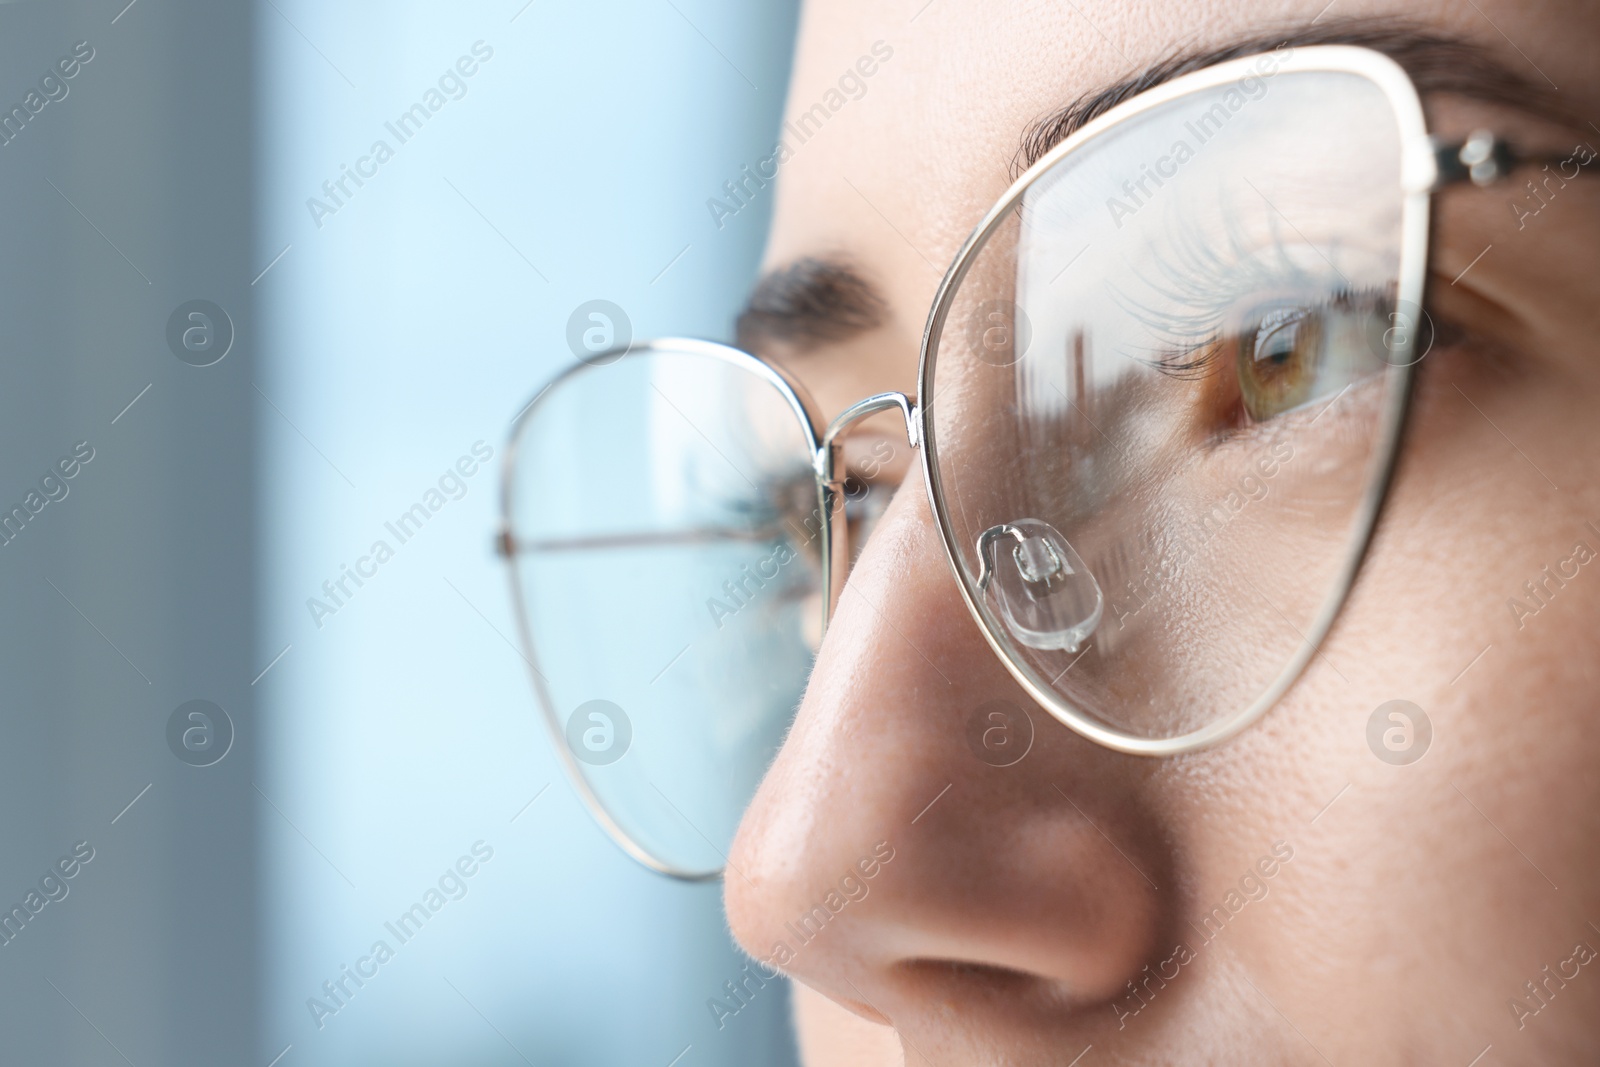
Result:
{"points": [[1014, 898], [1049, 907]]}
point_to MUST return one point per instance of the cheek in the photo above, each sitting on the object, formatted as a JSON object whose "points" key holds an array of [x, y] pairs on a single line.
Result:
{"points": [[828, 1034], [1400, 859]]}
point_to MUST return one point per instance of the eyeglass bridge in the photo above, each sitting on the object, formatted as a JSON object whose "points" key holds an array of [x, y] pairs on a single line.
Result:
{"points": [[862, 409]]}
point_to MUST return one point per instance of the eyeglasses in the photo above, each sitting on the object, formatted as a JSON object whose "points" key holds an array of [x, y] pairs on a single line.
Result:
{"points": [[1159, 402]]}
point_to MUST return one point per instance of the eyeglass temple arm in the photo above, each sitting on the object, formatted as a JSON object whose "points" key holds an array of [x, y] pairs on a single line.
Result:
{"points": [[505, 544], [830, 488], [1483, 159]]}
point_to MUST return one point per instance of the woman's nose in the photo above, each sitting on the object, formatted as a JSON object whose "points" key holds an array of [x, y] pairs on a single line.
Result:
{"points": [[928, 834]]}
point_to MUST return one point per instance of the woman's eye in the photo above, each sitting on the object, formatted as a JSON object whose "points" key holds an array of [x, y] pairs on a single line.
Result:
{"points": [[1279, 359], [1289, 356]]}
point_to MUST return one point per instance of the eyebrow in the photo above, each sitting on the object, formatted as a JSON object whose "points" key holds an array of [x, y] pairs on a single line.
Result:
{"points": [[1436, 63], [818, 300], [810, 302]]}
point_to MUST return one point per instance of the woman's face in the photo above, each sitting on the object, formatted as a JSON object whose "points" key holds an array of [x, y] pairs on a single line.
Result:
{"points": [[1288, 896]]}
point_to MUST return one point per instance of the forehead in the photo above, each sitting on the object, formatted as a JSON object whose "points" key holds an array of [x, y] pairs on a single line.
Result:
{"points": [[893, 169]]}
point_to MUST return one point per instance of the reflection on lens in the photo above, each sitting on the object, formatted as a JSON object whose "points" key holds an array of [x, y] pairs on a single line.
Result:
{"points": [[1197, 422], [664, 517]]}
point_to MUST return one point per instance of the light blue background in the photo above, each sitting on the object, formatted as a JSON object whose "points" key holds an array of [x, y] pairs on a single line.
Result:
{"points": [[411, 324], [371, 752]]}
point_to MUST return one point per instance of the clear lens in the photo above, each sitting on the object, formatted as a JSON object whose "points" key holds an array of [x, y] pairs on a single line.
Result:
{"points": [[667, 563], [1163, 395]]}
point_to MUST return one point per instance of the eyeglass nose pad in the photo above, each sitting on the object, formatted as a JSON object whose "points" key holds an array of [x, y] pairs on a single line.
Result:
{"points": [[1040, 584]]}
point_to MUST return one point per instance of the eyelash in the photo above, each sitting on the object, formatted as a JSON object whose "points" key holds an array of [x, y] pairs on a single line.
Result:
{"points": [[1213, 284], [773, 498], [1194, 360]]}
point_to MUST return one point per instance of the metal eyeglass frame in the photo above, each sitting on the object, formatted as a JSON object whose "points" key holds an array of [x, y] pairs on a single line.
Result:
{"points": [[1427, 165]]}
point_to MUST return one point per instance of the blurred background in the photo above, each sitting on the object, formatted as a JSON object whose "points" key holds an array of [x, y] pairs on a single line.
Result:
{"points": [[254, 339]]}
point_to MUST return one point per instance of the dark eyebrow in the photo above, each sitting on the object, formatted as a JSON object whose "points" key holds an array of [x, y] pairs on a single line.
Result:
{"points": [[810, 302], [1436, 62]]}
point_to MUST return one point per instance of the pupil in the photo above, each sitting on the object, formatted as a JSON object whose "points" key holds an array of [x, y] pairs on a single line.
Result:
{"points": [[1277, 336], [1280, 345]]}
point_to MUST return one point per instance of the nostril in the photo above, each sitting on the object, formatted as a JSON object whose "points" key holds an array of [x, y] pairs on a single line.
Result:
{"points": [[999, 978], [994, 986]]}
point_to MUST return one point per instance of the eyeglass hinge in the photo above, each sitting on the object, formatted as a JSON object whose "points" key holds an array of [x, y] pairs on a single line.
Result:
{"points": [[505, 545], [1482, 158]]}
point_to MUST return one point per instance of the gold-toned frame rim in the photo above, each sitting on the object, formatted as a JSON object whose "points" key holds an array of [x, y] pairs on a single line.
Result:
{"points": [[799, 402], [1418, 175]]}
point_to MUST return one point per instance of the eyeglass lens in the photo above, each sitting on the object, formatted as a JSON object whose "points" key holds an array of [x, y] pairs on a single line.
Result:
{"points": [[667, 562], [1160, 396]]}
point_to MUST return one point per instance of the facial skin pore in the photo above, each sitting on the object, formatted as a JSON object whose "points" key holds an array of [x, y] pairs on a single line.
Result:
{"points": [[1034, 911]]}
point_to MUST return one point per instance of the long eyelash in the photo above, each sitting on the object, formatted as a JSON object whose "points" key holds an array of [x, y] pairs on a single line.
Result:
{"points": [[1194, 362], [770, 502], [1198, 284]]}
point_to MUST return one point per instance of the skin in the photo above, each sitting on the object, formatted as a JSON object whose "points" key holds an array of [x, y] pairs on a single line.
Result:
{"points": [[1419, 899]]}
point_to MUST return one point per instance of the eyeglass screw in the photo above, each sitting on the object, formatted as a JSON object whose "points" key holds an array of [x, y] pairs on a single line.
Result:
{"points": [[1038, 562]]}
